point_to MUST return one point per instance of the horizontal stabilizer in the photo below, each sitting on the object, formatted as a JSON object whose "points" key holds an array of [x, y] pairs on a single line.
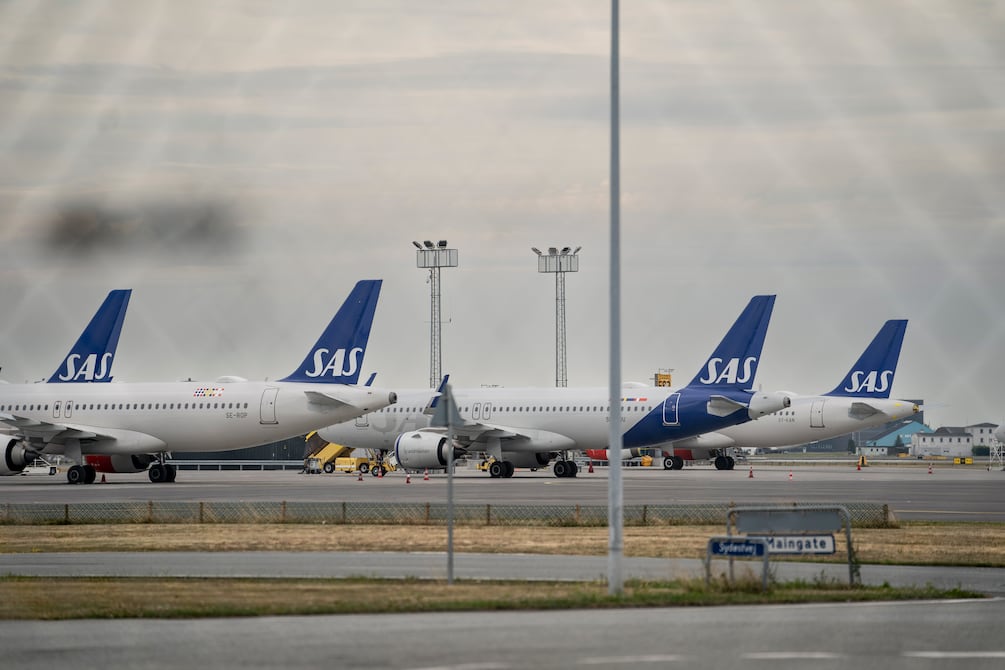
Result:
{"points": [[862, 410], [720, 405], [324, 398]]}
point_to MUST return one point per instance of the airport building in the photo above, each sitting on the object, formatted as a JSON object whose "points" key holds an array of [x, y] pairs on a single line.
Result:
{"points": [[946, 442]]}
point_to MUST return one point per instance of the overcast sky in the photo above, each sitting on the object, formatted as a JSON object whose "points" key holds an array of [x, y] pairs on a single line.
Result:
{"points": [[241, 164]]}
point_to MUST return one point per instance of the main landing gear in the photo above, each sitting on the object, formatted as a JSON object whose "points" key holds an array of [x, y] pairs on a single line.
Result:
{"points": [[503, 469], [565, 468], [161, 472], [81, 474], [724, 463], [673, 463]]}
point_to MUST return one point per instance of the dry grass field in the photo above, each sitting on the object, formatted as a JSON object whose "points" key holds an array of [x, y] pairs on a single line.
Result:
{"points": [[970, 544]]}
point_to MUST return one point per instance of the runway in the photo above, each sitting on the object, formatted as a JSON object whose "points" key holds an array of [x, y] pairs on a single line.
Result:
{"points": [[948, 494]]}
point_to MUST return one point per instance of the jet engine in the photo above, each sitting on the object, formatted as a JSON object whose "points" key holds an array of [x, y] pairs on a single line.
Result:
{"points": [[120, 462], [16, 457], [762, 403], [419, 449]]}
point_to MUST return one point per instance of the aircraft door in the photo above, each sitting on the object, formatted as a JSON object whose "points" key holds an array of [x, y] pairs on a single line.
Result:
{"points": [[68, 409], [817, 414], [55, 409], [487, 411], [670, 416], [268, 412], [476, 411]]}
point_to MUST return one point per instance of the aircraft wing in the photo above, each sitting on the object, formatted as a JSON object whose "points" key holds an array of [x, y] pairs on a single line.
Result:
{"points": [[40, 433], [513, 439]]}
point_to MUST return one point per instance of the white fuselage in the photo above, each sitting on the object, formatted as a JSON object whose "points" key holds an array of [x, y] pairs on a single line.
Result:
{"points": [[555, 419], [132, 418], [813, 418]]}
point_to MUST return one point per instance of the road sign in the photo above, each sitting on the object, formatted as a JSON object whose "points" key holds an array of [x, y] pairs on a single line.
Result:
{"points": [[800, 544], [737, 548]]}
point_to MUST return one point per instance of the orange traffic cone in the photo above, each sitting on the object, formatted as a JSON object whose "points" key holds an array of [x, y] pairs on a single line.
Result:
{"points": [[790, 475], [408, 478], [380, 473], [590, 469], [103, 480], [859, 466], [751, 475], [360, 476], [425, 477], [929, 468]]}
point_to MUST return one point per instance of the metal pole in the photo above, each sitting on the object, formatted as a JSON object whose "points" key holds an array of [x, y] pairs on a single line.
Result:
{"points": [[615, 511], [434, 327], [448, 398], [561, 377]]}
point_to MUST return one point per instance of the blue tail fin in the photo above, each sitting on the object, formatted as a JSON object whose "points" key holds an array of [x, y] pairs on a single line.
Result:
{"points": [[733, 364], [872, 374], [90, 359], [337, 356]]}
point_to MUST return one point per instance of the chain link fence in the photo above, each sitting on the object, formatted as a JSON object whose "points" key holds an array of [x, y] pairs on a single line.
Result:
{"points": [[863, 515]]}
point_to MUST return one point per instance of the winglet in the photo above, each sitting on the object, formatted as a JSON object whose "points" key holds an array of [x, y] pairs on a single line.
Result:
{"points": [[337, 356], [872, 375], [90, 359], [733, 364]]}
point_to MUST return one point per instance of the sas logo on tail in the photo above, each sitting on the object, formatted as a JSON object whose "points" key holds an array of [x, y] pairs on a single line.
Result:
{"points": [[873, 382], [730, 373], [90, 370], [332, 364]]}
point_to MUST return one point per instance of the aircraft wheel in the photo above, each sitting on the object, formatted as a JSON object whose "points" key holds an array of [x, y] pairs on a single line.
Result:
{"points": [[157, 473], [497, 469], [668, 463], [730, 462], [76, 475], [560, 469], [510, 469], [678, 463], [90, 474], [573, 469], [720, 463], [172, 473]]}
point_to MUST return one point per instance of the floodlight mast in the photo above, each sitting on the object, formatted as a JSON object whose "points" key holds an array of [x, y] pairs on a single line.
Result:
{"points": [[434, 257], [559, 263]]}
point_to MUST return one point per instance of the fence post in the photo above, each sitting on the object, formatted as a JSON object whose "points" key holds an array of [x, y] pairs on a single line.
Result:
{"points": [[66, 514], [645, 512], [488, 515], [201, 506]]}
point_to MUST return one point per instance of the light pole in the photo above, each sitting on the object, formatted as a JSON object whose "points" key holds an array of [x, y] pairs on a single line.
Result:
{"points": [[559, 263], [434, 257]]}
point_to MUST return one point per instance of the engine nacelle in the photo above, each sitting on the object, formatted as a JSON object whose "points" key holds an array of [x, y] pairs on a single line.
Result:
{"points": [[419, 449], [762, 403], [529, 459], [15, 458], [120, 462]]}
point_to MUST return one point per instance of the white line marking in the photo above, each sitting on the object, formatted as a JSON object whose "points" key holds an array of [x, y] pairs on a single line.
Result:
{"points": [[790, 655], [954, 654], [625, 660]]}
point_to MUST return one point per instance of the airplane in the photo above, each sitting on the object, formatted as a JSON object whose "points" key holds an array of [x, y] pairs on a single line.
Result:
{"points": [[530, 427], [860, 401], [91, 358], [131, 427]]}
